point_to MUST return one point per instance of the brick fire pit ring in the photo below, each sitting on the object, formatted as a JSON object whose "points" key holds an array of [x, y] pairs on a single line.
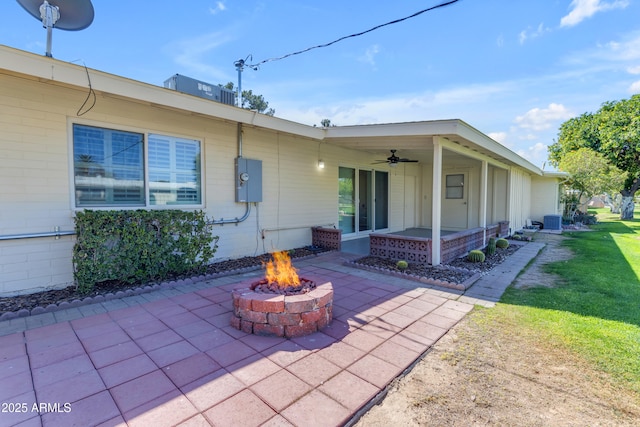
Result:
{"points": [[289, 316]]}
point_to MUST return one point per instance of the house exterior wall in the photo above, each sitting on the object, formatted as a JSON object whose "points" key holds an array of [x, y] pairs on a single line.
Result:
{"points": [[545, 197], [37, 192]]}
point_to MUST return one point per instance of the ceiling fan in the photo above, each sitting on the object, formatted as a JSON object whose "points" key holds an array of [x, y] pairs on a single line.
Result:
{"points": [[393, 160]]}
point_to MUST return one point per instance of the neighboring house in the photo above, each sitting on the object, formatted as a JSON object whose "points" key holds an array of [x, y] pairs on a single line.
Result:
{"points": [[73, 138]]}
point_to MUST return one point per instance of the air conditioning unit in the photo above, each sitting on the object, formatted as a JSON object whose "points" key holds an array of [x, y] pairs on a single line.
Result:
{"points": [[201, 89], [553, 222]]}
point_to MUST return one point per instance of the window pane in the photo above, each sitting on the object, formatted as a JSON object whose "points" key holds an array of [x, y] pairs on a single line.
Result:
{"points": [[346, 200], [455, 180], [365, 200], [108, 167], [382, 200], [174, 171], [454, 186]]}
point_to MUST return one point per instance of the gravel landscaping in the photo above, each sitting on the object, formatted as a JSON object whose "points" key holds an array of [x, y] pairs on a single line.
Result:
{"points": [[108, 289], [455, 272]]}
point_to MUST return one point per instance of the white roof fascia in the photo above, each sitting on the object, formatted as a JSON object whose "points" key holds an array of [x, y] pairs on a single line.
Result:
{"points": [[468, 132], [53, 70]]}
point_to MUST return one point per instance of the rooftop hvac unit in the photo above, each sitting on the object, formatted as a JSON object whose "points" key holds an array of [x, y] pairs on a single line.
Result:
{"points": [[201, 89]]}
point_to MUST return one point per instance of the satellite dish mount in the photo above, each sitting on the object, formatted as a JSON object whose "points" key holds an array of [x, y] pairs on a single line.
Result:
{"points": [[50, 15], [71, 15]]}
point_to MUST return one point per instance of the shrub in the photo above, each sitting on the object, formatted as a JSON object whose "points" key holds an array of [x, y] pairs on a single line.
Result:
{"points": [[491, 246], [502, 243], [402, 265], [139, 246], [476, 256]]}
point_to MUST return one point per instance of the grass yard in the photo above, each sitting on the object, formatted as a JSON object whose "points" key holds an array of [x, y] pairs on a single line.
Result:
{"points": [[594, 308]]}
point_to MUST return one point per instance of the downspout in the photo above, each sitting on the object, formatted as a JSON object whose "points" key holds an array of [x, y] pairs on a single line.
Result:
{"points": [[247, 212]]}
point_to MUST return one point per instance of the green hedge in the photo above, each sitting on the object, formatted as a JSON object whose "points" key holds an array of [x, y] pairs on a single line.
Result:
{"points": [[140, 246]]}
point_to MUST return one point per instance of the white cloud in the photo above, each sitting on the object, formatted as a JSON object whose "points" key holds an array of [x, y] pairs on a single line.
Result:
{"points": [[635, 87], [501, 137], [538, 119], [626, 50], [193, 54], [583, 9], [634, 70], [536, 154], [530, 33], [369, 57], [219, 7]]}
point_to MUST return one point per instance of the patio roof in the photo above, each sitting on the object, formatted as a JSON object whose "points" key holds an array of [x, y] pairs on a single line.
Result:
{"points": [[415, 139]]}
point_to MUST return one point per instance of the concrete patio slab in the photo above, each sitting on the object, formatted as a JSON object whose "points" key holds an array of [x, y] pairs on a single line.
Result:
{"points": [[171, 358]]}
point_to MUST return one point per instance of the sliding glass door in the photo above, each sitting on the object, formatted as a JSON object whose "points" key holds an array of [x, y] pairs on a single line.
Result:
{"points": [[347, 200], [363, 200]]}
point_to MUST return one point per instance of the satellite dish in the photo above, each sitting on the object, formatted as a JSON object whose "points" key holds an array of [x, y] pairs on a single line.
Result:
{"points": [[70, 15]]}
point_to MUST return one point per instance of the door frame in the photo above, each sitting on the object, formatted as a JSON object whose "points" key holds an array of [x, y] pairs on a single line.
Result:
{"points": [[357, 233]]}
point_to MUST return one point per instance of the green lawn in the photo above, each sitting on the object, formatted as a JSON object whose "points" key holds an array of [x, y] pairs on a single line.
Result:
{"points": [[594, 309]]}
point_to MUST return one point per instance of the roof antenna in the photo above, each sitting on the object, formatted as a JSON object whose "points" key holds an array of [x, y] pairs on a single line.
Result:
{"points": [[70, 15], [240, 64]]}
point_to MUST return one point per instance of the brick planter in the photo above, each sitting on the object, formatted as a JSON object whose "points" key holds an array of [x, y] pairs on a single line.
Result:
{"points": [[286, 316]]}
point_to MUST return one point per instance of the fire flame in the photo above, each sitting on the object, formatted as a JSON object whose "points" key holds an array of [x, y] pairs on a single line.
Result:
{"points": [[280, 271]]}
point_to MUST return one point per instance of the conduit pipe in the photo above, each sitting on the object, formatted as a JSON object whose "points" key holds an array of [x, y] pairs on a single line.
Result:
{"points": [[56, 233], [236, 220]]}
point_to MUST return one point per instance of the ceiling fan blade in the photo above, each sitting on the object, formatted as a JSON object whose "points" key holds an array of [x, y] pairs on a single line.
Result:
{"points": [[407, 161]]}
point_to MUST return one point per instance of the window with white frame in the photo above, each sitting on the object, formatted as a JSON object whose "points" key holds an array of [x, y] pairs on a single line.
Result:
{"points": [[109, 168]]}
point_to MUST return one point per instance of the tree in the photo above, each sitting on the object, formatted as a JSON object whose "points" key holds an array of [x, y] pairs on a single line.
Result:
{"points": [[250, 101], [614, 132], [589, 174]]}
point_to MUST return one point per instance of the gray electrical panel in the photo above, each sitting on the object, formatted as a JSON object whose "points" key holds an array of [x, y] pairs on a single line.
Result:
{"points": [[248, 180], [201, 89]]}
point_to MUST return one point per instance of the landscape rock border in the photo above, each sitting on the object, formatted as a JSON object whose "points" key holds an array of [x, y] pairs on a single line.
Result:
{"points": [[466, 284], [50, 308]]}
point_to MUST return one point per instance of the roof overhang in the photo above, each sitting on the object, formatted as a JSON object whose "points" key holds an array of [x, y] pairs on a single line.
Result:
{"points": [[418, 136], [457, 136], [53, 71]]}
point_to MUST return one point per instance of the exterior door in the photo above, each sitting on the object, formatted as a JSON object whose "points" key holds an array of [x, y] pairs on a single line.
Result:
{"points": [[363, 200], [382, 200], [347, 200], [455, 196]]}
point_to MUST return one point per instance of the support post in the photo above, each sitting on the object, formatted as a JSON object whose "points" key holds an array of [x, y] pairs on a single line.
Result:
{"points": [[483, 199], [436, 205]]}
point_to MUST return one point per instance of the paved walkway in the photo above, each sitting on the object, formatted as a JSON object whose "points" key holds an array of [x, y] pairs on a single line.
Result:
{"points": [[170, 358]]}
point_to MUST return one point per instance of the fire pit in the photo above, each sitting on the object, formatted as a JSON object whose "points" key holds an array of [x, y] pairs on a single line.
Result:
{"points": [[282, 304]]}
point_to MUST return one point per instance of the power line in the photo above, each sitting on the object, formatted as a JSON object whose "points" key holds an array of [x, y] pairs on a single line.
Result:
{"points": [[346, 37]]}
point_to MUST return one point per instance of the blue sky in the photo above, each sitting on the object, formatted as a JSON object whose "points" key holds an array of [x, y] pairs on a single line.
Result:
{"points": [[514, 70]]}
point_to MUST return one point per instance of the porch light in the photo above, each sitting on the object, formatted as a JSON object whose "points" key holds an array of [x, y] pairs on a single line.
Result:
{"points": [[320, 164]]}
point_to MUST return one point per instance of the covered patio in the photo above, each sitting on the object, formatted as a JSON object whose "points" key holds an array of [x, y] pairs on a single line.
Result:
{"points": [[463, 188]]}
